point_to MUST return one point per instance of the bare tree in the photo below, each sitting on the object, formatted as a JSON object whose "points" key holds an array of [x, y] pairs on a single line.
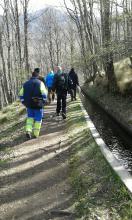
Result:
{"points": [[25, 4], [53, 38], [106, 39]]}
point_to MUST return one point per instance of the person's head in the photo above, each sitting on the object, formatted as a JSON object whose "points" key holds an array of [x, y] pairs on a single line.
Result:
{"points": [[58, 69], [49, 70], [72, 70], [36, 72]]}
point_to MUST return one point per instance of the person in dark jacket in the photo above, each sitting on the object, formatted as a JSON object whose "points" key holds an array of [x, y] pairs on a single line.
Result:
{"points": [[33, 95], [61, 86], [73, 83]]}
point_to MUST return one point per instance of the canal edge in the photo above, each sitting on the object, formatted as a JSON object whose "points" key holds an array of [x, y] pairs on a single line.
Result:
{"points": [[120, 170]]}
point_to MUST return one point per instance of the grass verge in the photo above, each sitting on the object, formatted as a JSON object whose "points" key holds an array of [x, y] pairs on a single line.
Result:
{"points": [[99, 193], [12, 122]]}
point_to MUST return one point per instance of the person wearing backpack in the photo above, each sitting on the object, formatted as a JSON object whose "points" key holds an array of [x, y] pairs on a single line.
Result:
{"points": [[61, 86], [33, 95], [49, 84], [73, 83]]}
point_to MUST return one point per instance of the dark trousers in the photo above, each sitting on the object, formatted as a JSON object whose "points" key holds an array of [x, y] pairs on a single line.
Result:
{"points": [[51, 95], [73, 93], [61, 102]]}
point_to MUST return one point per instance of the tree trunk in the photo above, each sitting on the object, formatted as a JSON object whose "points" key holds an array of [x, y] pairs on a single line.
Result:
{"points": [[18, 34], [4, 80], [26, 54], [106, 39]]}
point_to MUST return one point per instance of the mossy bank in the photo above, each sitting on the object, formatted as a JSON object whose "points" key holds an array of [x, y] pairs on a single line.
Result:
{"points": [[98, 192]]}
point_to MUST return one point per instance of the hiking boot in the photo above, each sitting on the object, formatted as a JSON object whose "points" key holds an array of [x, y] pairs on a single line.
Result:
{"points": [[63, 115], [28, 135], [34, 137]]}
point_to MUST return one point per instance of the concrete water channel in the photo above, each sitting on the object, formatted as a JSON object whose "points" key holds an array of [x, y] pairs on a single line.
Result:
{"points": [[117, 139]]}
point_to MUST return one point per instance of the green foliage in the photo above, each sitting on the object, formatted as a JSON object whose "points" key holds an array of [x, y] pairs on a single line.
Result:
{"points": [[3, 119], [12, 125], [2, 162], [12, 112], [22, 111]]}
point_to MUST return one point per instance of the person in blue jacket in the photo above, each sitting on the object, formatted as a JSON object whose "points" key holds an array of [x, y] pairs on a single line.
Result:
{"points": [[33, 94], [49, 84]]}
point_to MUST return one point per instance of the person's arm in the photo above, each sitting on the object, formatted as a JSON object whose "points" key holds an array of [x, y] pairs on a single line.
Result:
{"points": [[54, 83], [46, 80], [67, 81], [43, 91], [21, 95], [77, 81]]}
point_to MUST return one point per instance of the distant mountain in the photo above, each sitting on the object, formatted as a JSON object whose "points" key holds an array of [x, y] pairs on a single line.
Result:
{"points": [[34, 17]]}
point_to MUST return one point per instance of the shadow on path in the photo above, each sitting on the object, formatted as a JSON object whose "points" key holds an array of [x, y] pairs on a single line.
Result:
{"points": [[35, 184]]}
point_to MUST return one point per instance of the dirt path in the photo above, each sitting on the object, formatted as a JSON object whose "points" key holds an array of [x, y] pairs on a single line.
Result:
{"points": [[34, 184]]}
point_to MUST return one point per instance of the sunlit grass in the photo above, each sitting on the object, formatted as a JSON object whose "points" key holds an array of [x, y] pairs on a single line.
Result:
{"points": [[12, 122], [98, 190], [11, 112]]}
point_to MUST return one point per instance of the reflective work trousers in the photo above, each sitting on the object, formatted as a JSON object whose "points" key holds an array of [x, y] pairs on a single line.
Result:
{"points": [[34, 121]]}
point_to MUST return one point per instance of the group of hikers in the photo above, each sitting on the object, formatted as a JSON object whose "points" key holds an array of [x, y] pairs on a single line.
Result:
{"points": [[35, 93]]}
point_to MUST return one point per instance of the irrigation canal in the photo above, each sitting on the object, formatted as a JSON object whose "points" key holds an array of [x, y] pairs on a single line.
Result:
{"points": [[118, 141]]}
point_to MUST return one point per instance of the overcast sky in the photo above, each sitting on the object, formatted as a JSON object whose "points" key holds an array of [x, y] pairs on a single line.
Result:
{"points": [[35, 5], [38, 4]]}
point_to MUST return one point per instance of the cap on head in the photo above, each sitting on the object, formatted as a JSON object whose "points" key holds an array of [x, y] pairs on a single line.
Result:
{"points": [[36, 72]]}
